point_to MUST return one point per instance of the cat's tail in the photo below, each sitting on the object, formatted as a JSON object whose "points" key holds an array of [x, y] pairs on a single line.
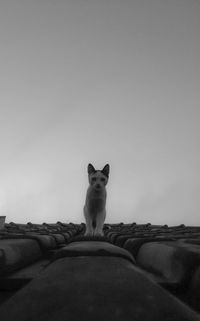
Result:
{"points": [[94, 223]]}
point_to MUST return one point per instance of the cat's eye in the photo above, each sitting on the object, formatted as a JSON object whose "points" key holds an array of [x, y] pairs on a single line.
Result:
{"points": [[94, 179], [103, 179]]}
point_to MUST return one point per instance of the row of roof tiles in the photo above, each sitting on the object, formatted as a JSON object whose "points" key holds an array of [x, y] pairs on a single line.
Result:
{"points": [[169, 255]]}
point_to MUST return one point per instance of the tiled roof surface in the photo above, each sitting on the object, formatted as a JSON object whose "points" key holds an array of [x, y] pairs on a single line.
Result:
{"points": [[141, 272]]}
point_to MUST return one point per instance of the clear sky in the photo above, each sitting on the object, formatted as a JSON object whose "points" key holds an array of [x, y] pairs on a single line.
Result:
{"points": [[100, 81]]}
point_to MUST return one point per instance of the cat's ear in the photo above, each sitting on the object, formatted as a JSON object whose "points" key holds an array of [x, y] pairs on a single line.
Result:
{"points": [[106, 170], [91, 169]]}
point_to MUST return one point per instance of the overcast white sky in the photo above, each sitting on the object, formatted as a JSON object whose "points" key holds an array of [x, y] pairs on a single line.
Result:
{"points": [[106, 81]]}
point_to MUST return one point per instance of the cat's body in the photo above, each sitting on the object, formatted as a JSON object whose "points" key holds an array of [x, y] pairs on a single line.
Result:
{"points": [[95, 203]]}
